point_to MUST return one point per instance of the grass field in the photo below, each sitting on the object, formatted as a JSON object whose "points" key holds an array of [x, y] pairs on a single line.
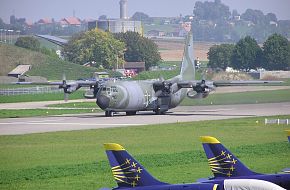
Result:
{"points": [[171, 152], [40, 97], [42, 65]]}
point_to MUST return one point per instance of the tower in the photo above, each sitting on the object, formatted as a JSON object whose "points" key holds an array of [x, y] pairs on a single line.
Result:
{"points": [[123, 9]]}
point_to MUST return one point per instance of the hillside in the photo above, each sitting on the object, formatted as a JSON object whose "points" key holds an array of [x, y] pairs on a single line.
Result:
{"points": [[42, 65]]}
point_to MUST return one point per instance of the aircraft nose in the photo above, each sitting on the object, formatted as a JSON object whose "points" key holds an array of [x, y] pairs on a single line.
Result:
{"points": [[103, 102]]}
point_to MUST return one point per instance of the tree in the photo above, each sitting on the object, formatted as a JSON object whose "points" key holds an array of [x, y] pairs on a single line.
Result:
{"points": [[271, 17], [256, 16], [276, 54], [211, 10], [139, 48], [246, 54], [219, 56], [28, 43], [140, 16], [2, 24], [103, 17], [94, 46]]}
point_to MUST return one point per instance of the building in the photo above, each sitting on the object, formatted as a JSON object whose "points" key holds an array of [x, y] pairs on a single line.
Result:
{"points": [[123, 9], [70, 21], [137, 67], [116, 26]]}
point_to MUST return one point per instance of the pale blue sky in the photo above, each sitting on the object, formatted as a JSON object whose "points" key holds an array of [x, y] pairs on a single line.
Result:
{"points": [[36, 9]]}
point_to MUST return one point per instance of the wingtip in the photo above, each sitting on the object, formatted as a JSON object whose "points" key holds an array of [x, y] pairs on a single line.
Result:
{"points": [[113, 146], [209, 140]]}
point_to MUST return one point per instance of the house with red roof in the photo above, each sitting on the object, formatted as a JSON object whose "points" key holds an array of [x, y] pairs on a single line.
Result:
{"points": [[70, 21]]}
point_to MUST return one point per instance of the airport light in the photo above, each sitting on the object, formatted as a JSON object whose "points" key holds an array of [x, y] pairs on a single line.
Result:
{"points": [[5, 35], [1, 34]]}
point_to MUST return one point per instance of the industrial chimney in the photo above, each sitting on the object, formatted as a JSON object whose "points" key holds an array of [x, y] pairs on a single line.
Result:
{"points": [[123, 9]]}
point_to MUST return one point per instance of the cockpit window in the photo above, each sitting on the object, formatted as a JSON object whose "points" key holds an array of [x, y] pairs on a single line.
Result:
{"points": [[114, 89]]}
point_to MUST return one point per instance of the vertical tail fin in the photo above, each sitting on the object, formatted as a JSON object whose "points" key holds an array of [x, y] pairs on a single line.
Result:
{"points": [[187, 70], [221, 161], [288, 134], [126, 170]]}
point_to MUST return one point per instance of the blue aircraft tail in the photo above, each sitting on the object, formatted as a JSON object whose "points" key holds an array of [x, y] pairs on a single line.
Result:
{"points": [[126, 170], [288, 134], [221, 161]]}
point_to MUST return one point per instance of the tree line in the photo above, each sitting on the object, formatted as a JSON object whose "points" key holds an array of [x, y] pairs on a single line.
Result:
{"points": [[246, 54], [103, 49]]}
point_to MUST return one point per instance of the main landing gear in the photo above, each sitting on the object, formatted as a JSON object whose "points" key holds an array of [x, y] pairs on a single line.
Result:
{"points": [[108, 113], [111, 113], [131, 113]]}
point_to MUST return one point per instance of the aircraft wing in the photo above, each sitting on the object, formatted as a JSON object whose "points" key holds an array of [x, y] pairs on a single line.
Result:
{"points": [[244, 83], [194, 83], [202, 88], [77, 82]]}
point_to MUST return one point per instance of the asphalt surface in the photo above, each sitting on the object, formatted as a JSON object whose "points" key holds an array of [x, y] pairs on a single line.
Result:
{"points": [[17, 126]]}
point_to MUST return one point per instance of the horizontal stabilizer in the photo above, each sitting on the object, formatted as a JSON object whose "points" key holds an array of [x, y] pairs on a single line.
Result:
{"points": [[286, 170]]}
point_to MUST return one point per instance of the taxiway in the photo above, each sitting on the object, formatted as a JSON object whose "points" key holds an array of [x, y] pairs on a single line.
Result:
{"points": [[17, 126]]}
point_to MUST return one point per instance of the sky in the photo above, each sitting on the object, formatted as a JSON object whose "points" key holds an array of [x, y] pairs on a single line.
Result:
{"points": [[33, 10]]}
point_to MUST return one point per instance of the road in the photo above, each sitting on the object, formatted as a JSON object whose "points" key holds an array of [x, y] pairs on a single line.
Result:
{"points": [[18, 126]]}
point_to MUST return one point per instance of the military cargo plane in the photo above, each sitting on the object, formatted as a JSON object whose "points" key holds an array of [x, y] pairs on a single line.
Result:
{"points": [[150, 95], [224, 166]]}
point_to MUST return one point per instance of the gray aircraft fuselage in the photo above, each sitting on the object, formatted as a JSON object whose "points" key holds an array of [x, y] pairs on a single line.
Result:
{"points": [[132, 96]]}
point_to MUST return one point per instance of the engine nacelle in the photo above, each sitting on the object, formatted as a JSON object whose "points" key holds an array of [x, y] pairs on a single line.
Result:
{"points": [[89, 94], [194, 95], [71, 89]]}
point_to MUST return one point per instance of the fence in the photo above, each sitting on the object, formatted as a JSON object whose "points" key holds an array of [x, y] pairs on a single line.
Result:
{"points": [[30, 90], [276, 121]]}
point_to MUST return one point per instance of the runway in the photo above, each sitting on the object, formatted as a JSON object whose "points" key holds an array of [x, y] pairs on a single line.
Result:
{"points": [[18, 126]]}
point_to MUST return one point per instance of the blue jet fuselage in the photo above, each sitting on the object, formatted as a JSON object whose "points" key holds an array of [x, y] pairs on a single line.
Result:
{"points": [[282, 180]]}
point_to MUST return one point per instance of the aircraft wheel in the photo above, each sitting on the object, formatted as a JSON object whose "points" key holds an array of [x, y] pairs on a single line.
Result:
{"points": [[159, 112], [130, 113], [108, 113]]}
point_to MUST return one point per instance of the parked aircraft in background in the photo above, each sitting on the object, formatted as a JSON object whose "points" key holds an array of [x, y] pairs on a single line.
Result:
{"points": [[130, 174], [150, 95], [224, 165]]}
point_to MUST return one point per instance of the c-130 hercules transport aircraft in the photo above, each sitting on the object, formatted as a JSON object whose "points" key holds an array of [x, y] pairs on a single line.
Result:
{"points": [[150, 95]]}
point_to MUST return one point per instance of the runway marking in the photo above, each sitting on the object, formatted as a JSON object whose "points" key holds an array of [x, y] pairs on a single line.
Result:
{"points": [[87, 124], [44, 120]]}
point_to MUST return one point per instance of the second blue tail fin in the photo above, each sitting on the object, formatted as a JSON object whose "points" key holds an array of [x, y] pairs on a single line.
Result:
{"points": [[288, 134], [221, 161], [126, 170]]}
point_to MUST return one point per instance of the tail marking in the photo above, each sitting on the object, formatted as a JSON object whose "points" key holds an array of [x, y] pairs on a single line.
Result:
{"points": [[221, 161]]}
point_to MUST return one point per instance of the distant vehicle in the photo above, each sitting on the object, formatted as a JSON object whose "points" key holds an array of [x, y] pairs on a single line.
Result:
{"points": [[151, 95], [224, 165]]}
